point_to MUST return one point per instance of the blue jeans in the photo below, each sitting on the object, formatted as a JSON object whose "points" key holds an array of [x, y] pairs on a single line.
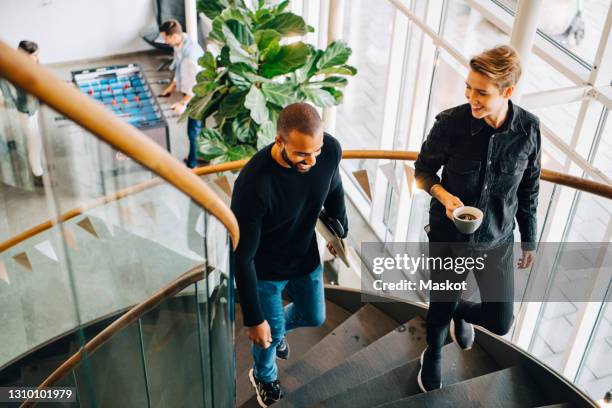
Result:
{"points": [[307, 310], [194, 127]]}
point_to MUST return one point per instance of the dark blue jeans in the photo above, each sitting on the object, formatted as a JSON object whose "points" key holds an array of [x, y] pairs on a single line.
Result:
{"points": [[496, 286], [193, 130], [306, 310]]}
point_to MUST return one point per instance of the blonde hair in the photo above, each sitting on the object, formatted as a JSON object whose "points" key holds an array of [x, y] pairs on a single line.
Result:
{"points": [[501, 64]]}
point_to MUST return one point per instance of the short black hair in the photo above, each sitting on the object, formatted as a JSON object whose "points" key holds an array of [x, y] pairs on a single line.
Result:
{"points": [[301, 117], [170, 27], [28, 46]]}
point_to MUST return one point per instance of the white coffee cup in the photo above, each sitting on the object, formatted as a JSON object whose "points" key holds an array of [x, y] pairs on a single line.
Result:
{"points": [[467, 226]]}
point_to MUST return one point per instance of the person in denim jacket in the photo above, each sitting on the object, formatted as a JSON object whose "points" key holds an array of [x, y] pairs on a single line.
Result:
{"points": [[489, 150]]}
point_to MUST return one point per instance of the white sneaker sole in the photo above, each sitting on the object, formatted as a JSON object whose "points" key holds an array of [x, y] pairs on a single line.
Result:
{"points": [[419, 381], [252, 380], [454, 336]]}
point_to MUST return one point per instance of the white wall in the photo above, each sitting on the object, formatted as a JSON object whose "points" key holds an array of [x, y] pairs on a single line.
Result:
{"points": [[68, 30]]}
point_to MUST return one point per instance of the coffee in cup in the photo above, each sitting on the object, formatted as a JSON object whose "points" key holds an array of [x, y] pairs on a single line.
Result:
{"points": [[467, 219]]}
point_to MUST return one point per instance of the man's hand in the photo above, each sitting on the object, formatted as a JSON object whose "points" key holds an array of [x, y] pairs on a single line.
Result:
{"points": [[449, 201], [331, 249], [169, 89], [527, 259], [260, 335], [178, 108]]}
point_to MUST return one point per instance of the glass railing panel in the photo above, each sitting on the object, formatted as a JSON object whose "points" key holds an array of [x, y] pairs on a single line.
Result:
{"points": [[575, 277], [175, 352], [37, 303], [115, 374], [130, 235], [594, 376], [217, 318]]}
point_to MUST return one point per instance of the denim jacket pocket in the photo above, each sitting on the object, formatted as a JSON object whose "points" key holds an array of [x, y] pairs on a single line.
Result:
{"points": [[513, 167], [463, 166]]}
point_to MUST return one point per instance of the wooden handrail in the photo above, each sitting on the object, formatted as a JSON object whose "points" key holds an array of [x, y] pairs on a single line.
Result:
{"points": [[195, 274], [91, 115], [589, 186], [578, 183]]}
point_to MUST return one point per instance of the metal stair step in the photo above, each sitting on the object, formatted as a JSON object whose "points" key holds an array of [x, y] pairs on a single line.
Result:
{"points": [[508, 388], [401, 382], [402, 344]]}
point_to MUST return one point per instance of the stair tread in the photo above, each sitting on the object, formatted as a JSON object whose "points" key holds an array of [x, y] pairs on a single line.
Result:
{"points": [[401, 382], [402, 344], [360, 330], [301, 341], [509, 387]]}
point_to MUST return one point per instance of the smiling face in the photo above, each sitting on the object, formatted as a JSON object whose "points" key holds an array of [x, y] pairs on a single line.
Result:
{"points": [[300, 150], [485, 98]]}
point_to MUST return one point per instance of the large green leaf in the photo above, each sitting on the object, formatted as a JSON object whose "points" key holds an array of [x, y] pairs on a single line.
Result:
{"points": [[211, 8], [334, 81], [288, 59], [211, 144], [271, 51], [256, 78], [319, 97], [235, 13], [241, 32], [287, 24], [337, 94], [239, 81], [264, 38], [339, 70], [231, 104], [256, 103], [279, 94], [242, 129], [238, 152], [266, 134], [303, 73], [262, 16], [204, 88], [237, 54], [208, 62], [280, 7], [216, 33], [337, 53]]}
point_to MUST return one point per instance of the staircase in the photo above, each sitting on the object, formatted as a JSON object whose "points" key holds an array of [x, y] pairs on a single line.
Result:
{"points": [[367, 355]]}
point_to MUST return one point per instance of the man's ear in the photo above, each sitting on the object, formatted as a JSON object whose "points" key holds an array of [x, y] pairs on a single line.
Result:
{"points": [[278, 140], [507, 92]]}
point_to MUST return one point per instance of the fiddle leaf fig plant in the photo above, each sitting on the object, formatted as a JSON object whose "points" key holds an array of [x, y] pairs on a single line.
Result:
{"points": [[258, 72]]}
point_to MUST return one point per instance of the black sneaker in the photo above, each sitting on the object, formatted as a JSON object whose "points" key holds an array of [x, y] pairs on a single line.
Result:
{"points": [[267, 392], [430, 374], [462, 333], [282, 350]]}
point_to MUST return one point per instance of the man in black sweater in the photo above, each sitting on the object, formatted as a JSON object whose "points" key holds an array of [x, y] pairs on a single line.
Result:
{"points": [[277, 199]]}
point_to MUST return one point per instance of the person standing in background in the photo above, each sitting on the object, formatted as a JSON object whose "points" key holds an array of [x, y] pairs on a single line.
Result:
{"points": [[186, 55], [27, 108]]}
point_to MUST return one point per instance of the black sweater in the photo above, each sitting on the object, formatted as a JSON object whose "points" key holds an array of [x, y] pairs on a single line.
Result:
{"points": [[277, 209]]}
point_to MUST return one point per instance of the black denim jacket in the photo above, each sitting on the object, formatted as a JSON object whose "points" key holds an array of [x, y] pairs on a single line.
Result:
{"points": [[511, 182]]}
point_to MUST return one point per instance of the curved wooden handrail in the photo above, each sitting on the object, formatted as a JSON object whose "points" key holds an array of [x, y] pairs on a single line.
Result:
{"points": [[578, 183], [193, 275], [589, 186], [91, 115]]}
